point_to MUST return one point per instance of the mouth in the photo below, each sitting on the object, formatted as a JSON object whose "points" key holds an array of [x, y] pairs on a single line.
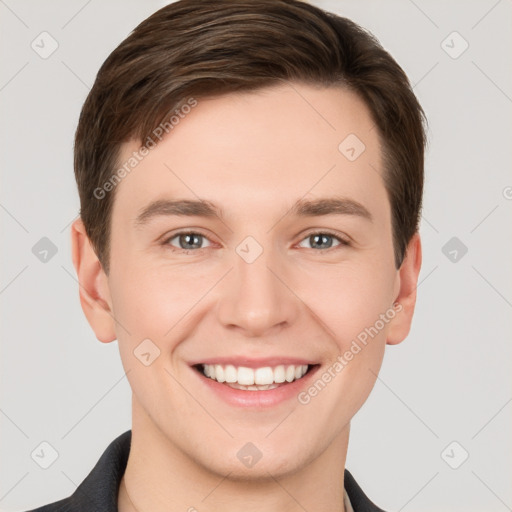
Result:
{"points": [[262, 378]]}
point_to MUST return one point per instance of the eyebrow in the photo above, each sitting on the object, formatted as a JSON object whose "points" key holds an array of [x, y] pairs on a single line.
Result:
{"points": [[203, 208]]}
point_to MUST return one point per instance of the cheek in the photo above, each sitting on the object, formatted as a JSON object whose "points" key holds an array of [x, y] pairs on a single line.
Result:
{"points": [[156, 301], [349, 301], [352, 306], [153, 305], [348, 298]]}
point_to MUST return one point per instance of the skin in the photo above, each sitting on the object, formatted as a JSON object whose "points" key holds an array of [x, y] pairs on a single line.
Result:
{"points": [[254, 154]]}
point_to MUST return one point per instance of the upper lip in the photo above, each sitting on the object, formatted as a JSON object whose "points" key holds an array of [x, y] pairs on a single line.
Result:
{"points": [[254, 363]]}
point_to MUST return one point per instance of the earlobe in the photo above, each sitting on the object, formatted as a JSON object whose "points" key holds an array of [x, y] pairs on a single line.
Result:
{"points": [[407, 280], [93, 284]]}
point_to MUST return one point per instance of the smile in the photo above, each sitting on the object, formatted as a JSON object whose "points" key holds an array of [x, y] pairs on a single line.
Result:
{"points": [[253, 379]]}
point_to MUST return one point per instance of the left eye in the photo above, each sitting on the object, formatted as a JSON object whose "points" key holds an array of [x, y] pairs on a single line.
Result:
{"points": [[320, 238]]}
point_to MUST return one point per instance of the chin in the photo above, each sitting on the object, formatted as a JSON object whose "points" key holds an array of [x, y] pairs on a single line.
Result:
{"points": [[249, 463]]}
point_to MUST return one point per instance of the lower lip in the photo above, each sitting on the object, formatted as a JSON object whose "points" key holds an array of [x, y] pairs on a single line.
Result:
{"points": [[258, 399]]}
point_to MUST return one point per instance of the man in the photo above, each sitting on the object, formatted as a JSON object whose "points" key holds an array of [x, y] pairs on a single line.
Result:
{"points": [[250, 176]]}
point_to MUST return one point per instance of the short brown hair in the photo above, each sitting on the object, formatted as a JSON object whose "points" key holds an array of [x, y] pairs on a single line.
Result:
{"points": [[193, 48]]}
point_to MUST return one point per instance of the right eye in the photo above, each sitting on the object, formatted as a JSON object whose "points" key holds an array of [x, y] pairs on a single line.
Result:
{"points": [[187, 240]]}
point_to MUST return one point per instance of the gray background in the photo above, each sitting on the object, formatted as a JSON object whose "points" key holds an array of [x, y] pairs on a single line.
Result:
{"points": [[449, 381]]}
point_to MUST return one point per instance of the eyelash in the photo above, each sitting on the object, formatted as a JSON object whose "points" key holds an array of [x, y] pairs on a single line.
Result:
{"points": [[343, 242]]}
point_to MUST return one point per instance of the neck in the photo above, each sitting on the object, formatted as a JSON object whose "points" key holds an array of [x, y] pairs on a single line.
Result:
{"points": [[160, 476]]}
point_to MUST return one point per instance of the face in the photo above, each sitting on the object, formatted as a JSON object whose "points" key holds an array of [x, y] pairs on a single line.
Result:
{"points": [[288, 263]]}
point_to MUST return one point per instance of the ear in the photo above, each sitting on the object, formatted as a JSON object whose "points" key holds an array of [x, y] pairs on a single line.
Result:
{"points": [[406, 284], [94, 289]]}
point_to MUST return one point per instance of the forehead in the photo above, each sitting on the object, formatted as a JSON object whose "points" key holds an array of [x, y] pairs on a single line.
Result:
{"points": [[263, 148]]}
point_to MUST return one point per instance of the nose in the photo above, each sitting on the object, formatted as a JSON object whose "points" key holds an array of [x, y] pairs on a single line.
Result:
{"points": [[256, 299]]}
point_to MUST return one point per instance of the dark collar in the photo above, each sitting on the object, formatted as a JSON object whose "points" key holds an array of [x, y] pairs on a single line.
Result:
{"points": [[98, 492]]}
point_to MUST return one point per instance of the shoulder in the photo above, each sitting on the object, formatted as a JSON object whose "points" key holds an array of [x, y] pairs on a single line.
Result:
{"points": [[100, 488], [358, 499]]}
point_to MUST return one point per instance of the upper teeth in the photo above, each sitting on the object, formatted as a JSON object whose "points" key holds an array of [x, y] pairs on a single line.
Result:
{"points": [[249, 376]]}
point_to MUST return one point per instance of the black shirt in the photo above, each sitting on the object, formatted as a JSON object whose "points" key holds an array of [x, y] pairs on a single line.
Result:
{"points": [[98, 492]]}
